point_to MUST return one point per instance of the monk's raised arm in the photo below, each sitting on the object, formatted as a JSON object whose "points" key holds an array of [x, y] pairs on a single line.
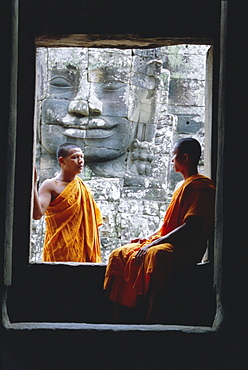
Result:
{"points": [[42, 199]]}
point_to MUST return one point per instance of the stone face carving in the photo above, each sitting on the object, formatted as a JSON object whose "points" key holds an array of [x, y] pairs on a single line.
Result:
{"points": [[115, 105], [105, 101]]}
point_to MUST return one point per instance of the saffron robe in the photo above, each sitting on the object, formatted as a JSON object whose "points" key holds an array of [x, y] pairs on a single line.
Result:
{"points": [[72, 221], [124, 281]]}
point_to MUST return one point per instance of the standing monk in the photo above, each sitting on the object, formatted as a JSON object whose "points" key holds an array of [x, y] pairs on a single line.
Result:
{"points": [[180, 242], [72, 216]]}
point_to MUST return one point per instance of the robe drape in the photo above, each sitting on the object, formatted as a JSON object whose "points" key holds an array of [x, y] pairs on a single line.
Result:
{"points": [[124, 281], [72, 221]]}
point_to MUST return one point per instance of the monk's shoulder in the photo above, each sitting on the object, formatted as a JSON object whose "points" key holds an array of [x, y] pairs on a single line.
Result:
{"points": [[201, 185], [49, 183], [83, 183], [53, 187]]}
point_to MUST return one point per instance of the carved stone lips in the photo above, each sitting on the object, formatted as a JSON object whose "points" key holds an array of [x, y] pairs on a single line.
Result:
{"points": [[87, 133], [91, 129]]}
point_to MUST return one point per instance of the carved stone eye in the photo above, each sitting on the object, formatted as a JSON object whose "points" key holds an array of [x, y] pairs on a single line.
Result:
{"points": [[60, 82], [112, 86]]}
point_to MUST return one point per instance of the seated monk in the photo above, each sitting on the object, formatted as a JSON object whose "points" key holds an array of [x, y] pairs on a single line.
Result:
{"points": [[180, 242], [71, 214]]}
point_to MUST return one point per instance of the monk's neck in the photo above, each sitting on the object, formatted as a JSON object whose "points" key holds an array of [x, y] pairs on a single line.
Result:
{"points": [[66, 177], [188, 173]]}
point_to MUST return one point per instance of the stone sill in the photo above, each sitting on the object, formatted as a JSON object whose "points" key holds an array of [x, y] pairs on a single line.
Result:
{"points": [[107, 327]]}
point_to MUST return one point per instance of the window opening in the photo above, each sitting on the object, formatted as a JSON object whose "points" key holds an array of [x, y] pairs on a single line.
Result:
{"points": [[125, 109]]}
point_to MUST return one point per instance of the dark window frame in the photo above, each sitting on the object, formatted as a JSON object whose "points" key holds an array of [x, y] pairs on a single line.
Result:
{"points": [[11, 171]]}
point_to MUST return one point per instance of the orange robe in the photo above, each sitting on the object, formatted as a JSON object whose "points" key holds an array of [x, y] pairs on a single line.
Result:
{"points": [[124, 281], [72, 221]]}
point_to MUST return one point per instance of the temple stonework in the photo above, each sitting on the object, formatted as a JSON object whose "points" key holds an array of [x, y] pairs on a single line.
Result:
{"points": [[125, 109]]}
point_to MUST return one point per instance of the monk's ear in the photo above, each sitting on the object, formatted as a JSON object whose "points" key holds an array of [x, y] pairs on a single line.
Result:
{"points": [[186, 157], [61, 160]]}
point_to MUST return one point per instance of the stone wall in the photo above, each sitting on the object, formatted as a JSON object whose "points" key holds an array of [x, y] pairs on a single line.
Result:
{"points": [[149, 99]]}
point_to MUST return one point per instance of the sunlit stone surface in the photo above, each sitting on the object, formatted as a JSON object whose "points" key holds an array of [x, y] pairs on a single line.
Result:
{"points": [[125, 109]]}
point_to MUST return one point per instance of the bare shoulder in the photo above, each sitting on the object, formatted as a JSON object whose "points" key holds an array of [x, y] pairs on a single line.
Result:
{"points": [[53, 187], [47, 185]]}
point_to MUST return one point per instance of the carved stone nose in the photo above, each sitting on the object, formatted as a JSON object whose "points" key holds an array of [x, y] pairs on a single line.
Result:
{"points": [[79, 108]]}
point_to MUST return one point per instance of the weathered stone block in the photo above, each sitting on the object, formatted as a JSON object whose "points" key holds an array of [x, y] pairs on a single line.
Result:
{"points": [[41, 74], [187, 92], [110, 227], [107, 246], [161, 167], [36, 240], [109, 64], [131, 206], [148, 194], [67, 58], [148, 53], [186, 61], [135, 226], [139, 207], [185, 110], [109, 189], [142, 105], [189, 124], [146, 65]]}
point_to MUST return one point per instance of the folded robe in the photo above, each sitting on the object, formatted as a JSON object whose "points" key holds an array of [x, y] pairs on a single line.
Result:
{"points": [[72, 221], [124, 281]]}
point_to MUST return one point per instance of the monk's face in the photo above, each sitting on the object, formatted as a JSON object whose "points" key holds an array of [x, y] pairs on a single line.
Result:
{"points": [[73, 162], [178, 159]]}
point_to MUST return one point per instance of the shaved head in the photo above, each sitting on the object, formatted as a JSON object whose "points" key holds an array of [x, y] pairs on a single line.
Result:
{"points": [[64, 149], [190, 146]]}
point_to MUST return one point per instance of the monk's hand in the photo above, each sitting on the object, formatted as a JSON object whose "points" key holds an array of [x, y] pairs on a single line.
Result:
{"points": [[140, 255], [36, 175]]}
